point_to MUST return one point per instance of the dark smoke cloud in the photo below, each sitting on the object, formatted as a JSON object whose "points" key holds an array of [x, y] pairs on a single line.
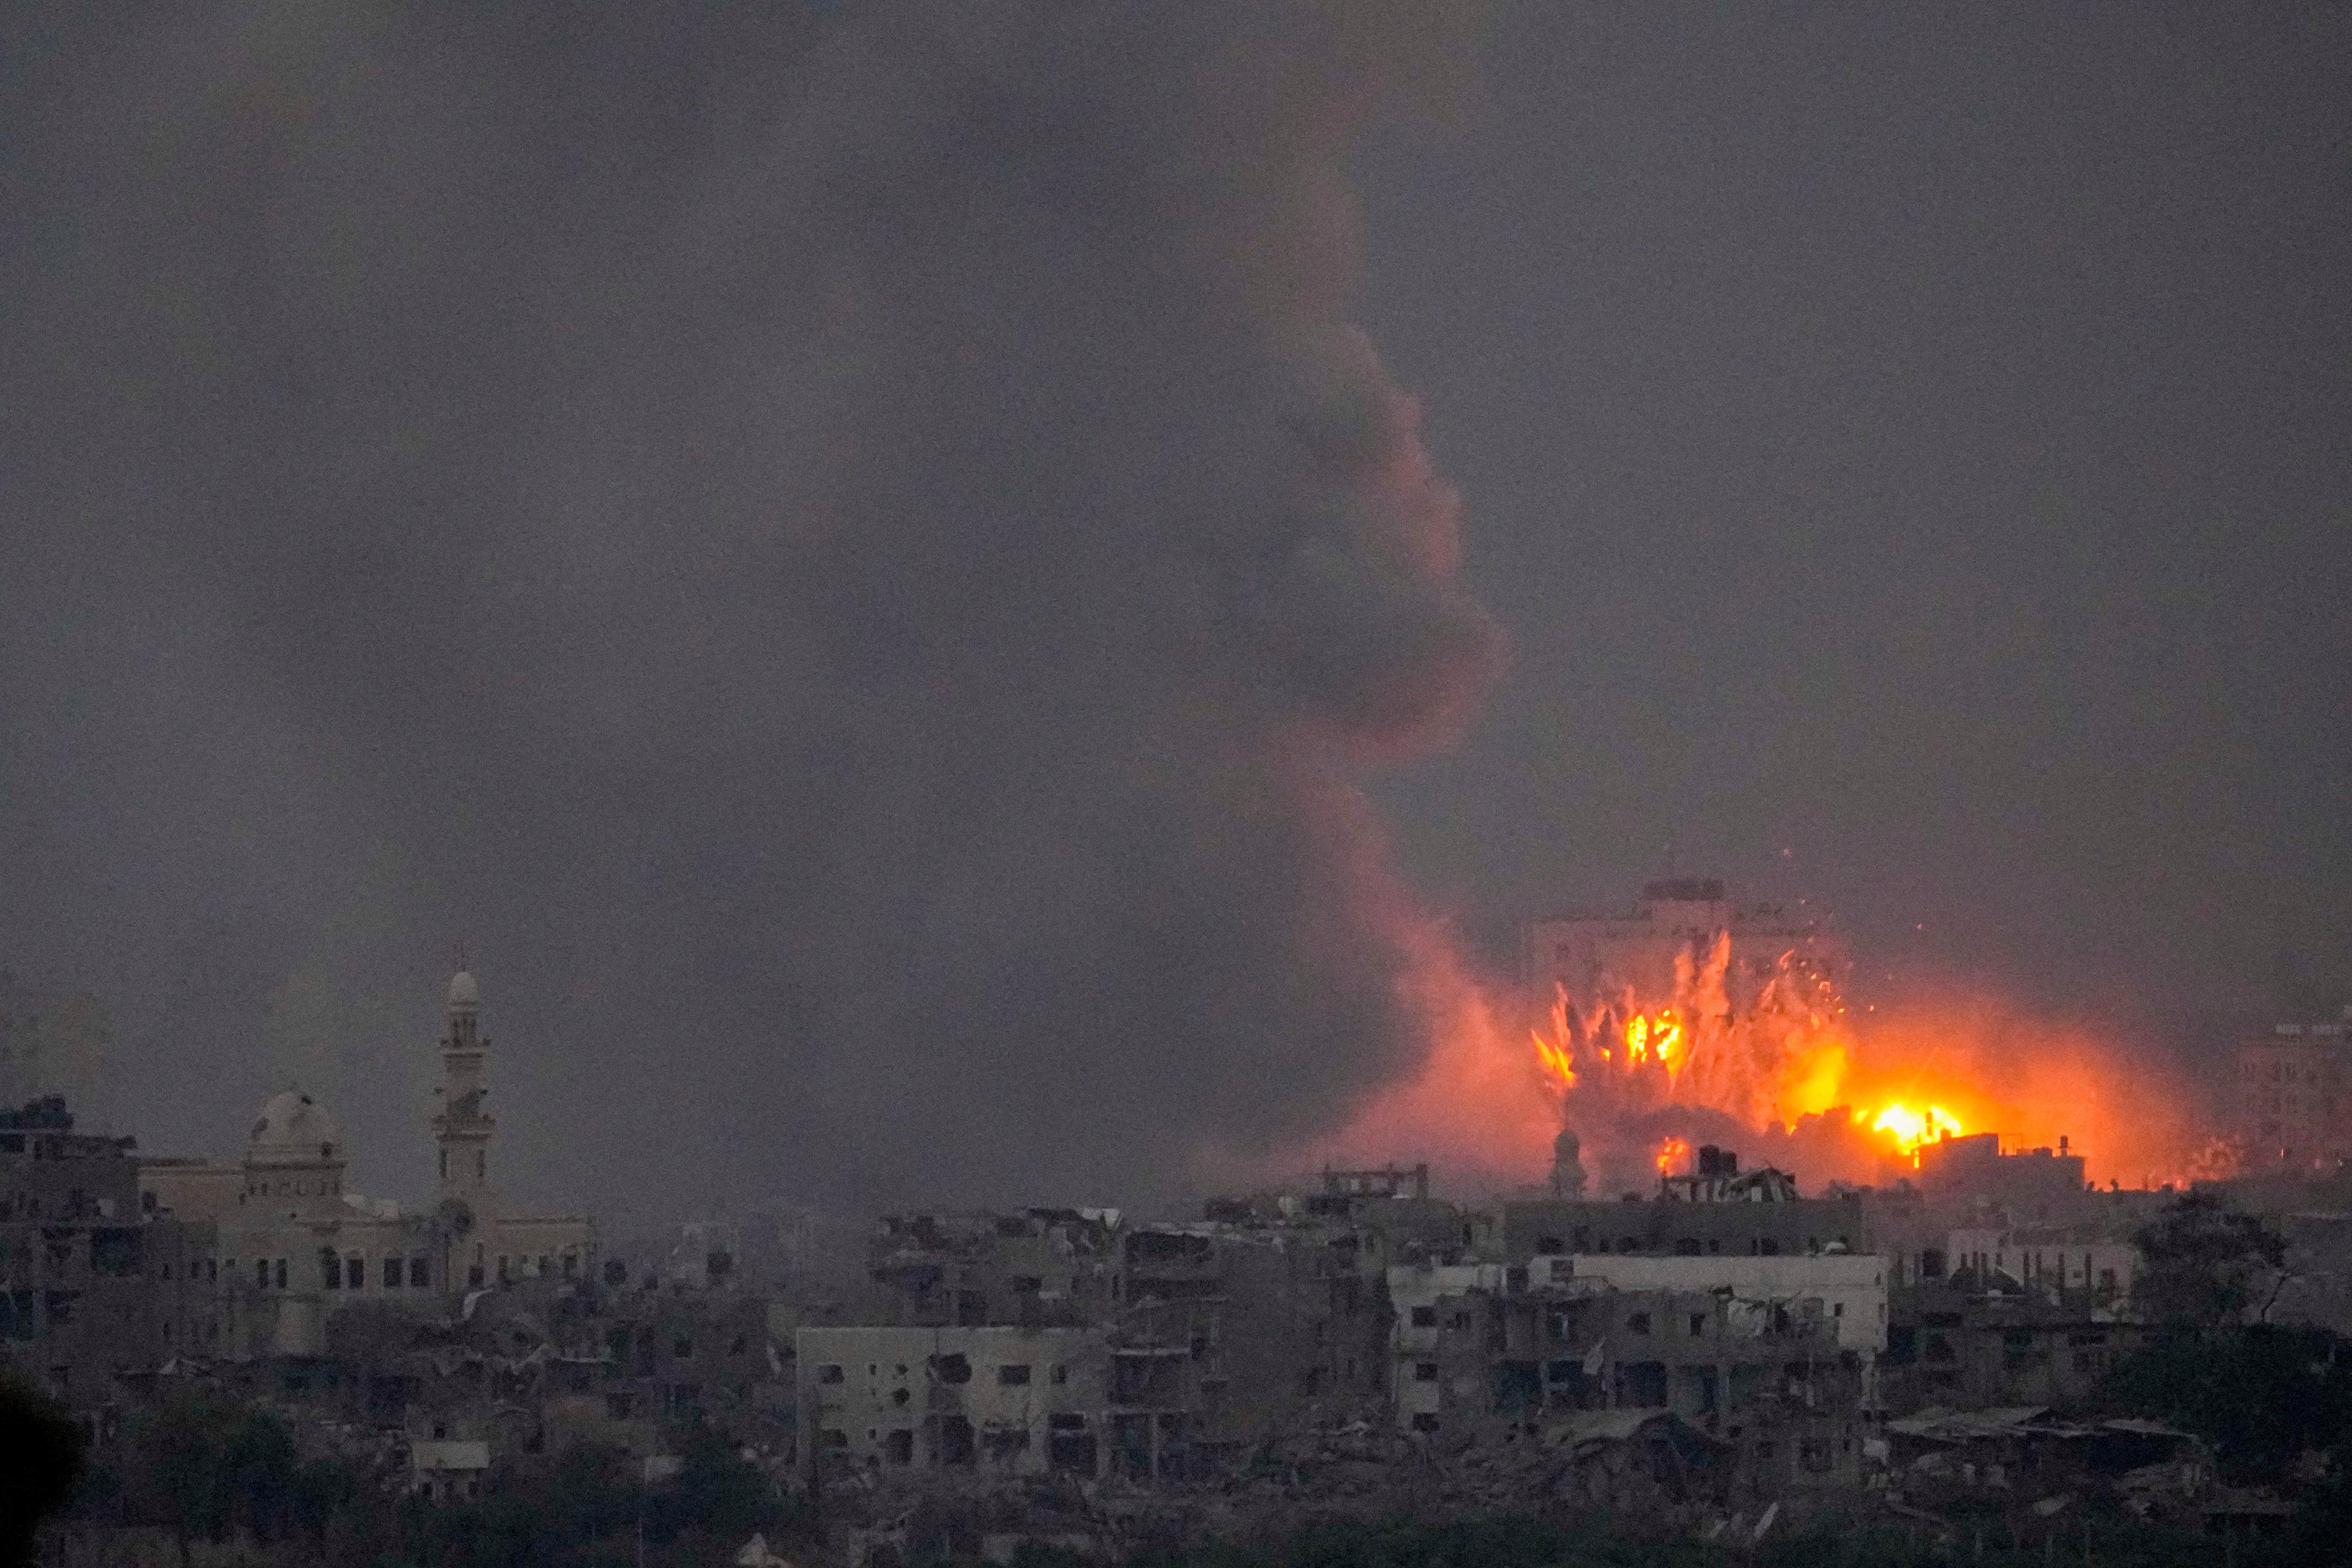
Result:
{"points": [[857, 560]]}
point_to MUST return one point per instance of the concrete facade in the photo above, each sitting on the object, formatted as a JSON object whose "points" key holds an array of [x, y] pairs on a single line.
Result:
{"points": [[1851, 1287], [94, 1293], [2293, 1099], [1552, 1226], [1011, 1400], [1595, 957]]}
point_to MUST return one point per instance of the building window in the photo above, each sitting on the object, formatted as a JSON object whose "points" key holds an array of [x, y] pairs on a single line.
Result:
{"points": [[1425, 1422], [356, 1269], [1061, 1373], [418, 1273], [281, 1274], [261, 1273], [1424, 1371], [1014, 1374], [1424, 1317], [828, 1373], [1639, 1323]]}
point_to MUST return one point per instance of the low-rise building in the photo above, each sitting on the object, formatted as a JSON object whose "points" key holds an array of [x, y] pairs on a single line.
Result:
{"points": [[1008, 1399], [450, 1471], [2049, 1260], [1476, 1346], [1544, 1228], [94, 1293], [1958, 1344], [2029, 1187], [1851, 1287]]}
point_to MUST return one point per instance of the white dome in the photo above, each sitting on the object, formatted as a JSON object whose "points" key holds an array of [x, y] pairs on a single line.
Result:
{"points": [[463, 990], [294, 1130]]}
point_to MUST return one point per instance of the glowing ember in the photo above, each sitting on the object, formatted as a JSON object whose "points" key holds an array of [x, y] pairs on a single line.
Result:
{"points": [[1671, 1153], [1911, 1127]]}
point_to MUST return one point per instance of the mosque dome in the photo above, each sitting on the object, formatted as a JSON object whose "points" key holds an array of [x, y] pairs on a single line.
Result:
{"points": [[294, 1130], [463, 990]]}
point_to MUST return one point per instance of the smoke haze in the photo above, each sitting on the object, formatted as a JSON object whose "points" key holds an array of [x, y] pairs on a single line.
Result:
{"points": [[855, 554], [859, 563]]}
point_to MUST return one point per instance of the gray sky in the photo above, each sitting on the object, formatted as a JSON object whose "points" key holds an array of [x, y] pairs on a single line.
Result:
{"points": [[1914, 438], [862, 568]]}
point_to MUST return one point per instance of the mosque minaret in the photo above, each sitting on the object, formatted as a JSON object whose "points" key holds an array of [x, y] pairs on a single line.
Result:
{"points": [[460, 1125], [289, 1242]]}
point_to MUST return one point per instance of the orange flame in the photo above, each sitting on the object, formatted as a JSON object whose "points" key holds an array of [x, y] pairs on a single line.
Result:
{"points": [[1671, 1152], [1554, 1055], [1910, 1128], [1556, 1063], [1772, 1048], [1778, 1056]]}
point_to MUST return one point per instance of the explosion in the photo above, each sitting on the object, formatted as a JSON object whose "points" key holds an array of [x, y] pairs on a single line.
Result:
{"points": [[1778, 1055], [1911, 1127], [1625, 1062], [1687, 1032]]}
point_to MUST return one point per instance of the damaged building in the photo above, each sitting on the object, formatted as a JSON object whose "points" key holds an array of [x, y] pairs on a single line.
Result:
{"points": [[1005, 1399], [1482, 1346], [95, 1294]]}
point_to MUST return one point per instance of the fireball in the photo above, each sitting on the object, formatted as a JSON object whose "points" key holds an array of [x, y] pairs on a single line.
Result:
{"points": [[1910, 1128]]}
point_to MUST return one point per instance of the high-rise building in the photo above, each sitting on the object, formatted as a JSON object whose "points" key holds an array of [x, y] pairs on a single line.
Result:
{"points": [[1670, 937], [2292, 1092]]}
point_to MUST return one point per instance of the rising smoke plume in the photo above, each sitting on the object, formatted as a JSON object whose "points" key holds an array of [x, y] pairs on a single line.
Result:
{"points": [[859, 563]]}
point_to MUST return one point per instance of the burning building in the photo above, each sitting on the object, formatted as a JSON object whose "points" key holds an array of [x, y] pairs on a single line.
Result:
{"points": [[1695, 1019], [1650, 951]]}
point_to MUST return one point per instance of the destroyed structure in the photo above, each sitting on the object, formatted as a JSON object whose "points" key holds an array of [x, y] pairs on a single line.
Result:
{"points": [[1724, 1343], [1606, 954]]}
